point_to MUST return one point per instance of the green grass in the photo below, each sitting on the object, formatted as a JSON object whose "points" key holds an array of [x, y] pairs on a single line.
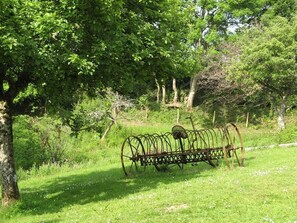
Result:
{"points": [[265, 190], [91, 186]]}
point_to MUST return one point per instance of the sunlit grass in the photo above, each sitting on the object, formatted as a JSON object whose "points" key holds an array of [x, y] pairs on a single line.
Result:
{"points": [[94, 189], [265, 190]]}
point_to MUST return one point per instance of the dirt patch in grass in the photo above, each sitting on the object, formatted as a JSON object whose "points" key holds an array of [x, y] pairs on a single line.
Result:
{"points": [[174, 208]]}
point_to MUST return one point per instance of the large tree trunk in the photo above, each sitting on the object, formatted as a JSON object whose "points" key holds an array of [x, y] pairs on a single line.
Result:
{"points": [[193, 89], [175, 98], [10, 190], [281, 111]]}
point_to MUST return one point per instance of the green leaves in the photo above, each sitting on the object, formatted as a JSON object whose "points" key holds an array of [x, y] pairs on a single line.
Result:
{"points": [[268, 57], [83, 66]]}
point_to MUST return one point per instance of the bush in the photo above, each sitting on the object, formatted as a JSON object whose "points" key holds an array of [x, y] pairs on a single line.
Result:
{"points": [[288, 135], [27, 146], [38, 141]]}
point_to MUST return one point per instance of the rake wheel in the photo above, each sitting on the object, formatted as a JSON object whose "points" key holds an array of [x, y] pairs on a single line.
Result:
{"points": [[233, 145], [132, 149]]}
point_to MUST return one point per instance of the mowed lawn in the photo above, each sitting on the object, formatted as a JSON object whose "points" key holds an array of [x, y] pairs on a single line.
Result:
{"points": [[265, 190]]}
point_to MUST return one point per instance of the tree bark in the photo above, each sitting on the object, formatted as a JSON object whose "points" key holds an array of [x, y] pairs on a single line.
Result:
{"points": [[158, 90], [163, 92], [175, 98], [281, 111], [112, 122], [10, 190], [193, 89]]}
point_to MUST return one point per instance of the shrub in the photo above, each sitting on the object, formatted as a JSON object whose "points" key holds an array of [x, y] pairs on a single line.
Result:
{"points": [[27, 146], [288, 135], [38, 141]]}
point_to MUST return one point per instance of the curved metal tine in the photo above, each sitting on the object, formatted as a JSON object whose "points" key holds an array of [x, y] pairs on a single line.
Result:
{"points": [[208, 134], [157, 143], [160, 141], [144, 143], [205, 137], [202, 132], [196, 132], [216, 137], [201, 141], [216, 144], [221, 134], [221, 141], [228, 136], [172, 142], [212, 138], [155, 139], [141, 144], [160, 144], [150, 146], [153, 149], [168, 142], [201, 136], [192, 140], [195, 143]]}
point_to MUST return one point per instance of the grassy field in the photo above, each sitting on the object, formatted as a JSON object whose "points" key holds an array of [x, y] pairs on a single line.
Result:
{"points": [[96, 190], [265, 190]]}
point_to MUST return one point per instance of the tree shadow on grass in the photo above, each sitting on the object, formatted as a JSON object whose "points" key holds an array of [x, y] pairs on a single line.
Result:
{"points": [[80, 189]]}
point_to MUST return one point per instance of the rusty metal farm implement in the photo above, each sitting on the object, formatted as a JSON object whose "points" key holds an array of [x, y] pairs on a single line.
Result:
{"points": [[181, 146]]}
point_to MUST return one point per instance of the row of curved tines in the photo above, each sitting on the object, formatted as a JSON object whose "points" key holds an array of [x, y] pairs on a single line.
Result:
{"points": [[196, 140]]}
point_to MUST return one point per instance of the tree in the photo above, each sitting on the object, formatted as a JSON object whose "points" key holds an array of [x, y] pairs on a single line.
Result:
{"points": [[34, 52], [268, 61], [63, 48], [211, 24]]}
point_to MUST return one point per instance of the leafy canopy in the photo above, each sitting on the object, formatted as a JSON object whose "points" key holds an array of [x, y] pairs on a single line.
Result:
{"points": [[268, 56]]}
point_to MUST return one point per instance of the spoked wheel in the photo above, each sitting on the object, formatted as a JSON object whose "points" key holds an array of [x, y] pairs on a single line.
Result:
{"points": [[233, 145], [132, 149]]}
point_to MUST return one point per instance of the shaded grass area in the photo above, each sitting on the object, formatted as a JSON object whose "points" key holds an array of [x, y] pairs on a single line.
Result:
{"points": [[265, 190]]}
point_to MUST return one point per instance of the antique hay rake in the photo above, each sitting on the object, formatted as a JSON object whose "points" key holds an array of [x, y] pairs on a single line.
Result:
{"points": [[181, 146]]}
